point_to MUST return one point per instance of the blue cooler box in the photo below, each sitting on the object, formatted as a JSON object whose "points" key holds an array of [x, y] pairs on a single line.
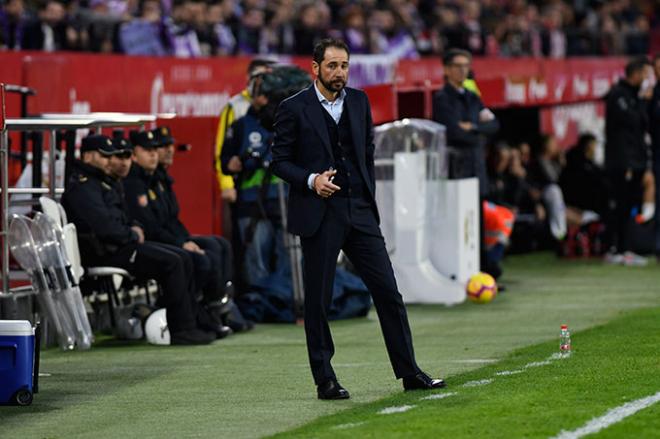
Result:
{"points": [[17, 362]]}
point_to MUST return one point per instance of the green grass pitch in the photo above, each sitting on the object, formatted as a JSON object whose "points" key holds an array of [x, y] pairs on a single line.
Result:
{"points": [[258, 384]]}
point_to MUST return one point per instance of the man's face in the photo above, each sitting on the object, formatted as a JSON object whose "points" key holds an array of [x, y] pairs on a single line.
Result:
{"points": [[332, 73], [166, 155], [96, 159], [457, 70], [146, 158], [120, 165], [637, 77]]}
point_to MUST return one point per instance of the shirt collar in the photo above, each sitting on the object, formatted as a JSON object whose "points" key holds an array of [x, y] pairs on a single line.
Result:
{"points": [[322, 99]]}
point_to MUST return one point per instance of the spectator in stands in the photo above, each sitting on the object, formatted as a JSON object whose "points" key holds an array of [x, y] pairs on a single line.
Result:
{"points": [[107, 237], [50, 31], [654, 124], [354, 30], [512, 28], [308, 29], [225, 41], [145, 35], [279, 31], [468, 123], [553, 36], [183, 28], [249, 38], [391, 37], [12, 23], [626, 157]]}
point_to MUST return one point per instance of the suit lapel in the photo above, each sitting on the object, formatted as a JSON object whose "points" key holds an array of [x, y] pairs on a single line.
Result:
{"points": [[313, 112]]}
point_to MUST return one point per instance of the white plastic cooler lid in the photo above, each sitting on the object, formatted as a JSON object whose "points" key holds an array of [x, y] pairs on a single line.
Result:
{"points": [[15, 328]]}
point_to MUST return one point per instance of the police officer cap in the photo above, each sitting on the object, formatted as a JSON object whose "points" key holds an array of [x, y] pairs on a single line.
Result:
{"points": [[163, 136], [145, 139], [122, 145], [97, 142]]}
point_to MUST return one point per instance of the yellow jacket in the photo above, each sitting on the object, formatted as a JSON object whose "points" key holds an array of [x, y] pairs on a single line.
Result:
{"points": [[236, 108]]}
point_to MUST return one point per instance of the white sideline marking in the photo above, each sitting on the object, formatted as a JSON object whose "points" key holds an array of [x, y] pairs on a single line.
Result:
{"points": [[537, 364], [349, 425], [478, 383], [42, 374], [508, 372], [611, 417], [400, 409], [439, 396]]}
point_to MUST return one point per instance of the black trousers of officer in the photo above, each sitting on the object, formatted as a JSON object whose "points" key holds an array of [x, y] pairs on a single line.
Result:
{"points": [[626, 192], [172, 268], [214, 268], [350, 224]]}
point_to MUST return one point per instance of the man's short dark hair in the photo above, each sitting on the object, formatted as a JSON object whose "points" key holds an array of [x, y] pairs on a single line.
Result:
{"points": [[319, 48], [448, 58], [259, 62], [635, 65]]}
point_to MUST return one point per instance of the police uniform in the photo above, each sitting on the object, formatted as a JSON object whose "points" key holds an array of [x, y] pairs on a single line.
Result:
{"points": [[148, 203], [257, 206], [95, 206]]}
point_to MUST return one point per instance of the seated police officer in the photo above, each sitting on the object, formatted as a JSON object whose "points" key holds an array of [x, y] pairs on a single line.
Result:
{"points": [[145, 205], [217, 251], [107, 237], [246, 156]]}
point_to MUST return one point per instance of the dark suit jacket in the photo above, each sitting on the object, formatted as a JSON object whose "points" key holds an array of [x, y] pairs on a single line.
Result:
{"points": [[302, 147], [466, 148]]}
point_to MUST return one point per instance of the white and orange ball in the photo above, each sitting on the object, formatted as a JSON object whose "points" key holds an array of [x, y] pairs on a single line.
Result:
{"points": [[481, 288]]}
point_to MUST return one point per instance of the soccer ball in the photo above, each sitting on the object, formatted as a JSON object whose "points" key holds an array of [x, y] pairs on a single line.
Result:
{"points": [[481, 288]]}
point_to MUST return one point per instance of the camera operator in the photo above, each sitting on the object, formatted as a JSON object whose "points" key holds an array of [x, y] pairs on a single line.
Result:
{"points": [[246, 156]]}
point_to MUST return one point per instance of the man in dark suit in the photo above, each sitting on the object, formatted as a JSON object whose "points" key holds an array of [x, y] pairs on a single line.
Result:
{"points": [[468, 123], [324, 149]]}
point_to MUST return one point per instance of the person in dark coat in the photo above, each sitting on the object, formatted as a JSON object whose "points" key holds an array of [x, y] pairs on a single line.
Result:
{"points": [[324, 149], [468, 123], [108, 237], [626, 157]]}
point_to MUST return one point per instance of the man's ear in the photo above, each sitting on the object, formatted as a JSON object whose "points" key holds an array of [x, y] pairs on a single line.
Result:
{"points": [[315, 68]]}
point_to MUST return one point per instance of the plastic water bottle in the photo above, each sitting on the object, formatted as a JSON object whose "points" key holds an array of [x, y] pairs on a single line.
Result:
{"points": [[565, 342]]}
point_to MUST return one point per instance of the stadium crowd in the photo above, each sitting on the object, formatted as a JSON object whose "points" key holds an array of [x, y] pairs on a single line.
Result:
{"points": [[405, 29]]}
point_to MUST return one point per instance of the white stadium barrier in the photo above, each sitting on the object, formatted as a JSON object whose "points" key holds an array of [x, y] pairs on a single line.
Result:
{"points": [[430, 224]]}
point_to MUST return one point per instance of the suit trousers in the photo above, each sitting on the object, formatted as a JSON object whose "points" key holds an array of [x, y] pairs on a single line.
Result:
{"points": [[350, 224]]}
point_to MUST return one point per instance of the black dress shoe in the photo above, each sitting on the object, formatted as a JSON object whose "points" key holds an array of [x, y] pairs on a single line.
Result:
{"points": [[192, 337], [332, 390], [422, 381]]}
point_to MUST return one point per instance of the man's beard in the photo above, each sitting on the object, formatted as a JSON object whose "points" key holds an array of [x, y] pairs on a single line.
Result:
{"points": [[334, 86]]}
